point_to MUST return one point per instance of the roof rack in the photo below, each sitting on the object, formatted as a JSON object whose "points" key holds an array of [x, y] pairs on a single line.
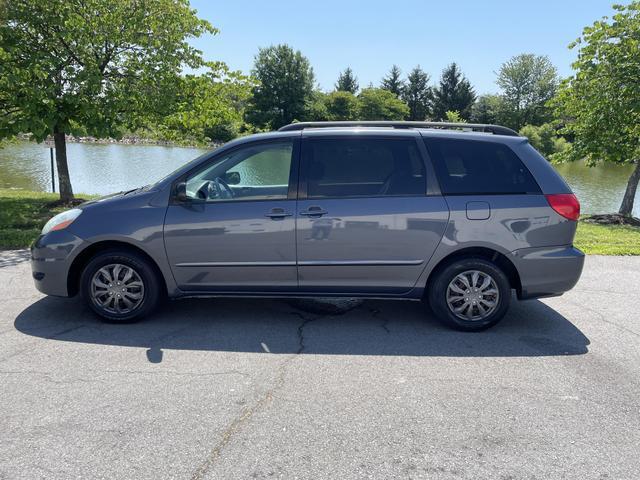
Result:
{"points": [[474, 127]]}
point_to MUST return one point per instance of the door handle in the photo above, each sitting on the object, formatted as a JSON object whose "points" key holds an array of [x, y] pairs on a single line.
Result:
{"points": [[278, 213], [314, 212]]}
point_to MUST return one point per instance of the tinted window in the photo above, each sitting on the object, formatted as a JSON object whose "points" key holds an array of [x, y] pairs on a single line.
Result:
{"points": [[472, 167], [363, 167]]}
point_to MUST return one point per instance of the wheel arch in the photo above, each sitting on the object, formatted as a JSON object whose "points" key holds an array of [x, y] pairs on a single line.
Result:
{"points": [[501, 260], [81, 260]]}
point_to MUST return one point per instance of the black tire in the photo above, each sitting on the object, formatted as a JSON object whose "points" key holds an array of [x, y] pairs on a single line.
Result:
{"points": [[437, 294], [151, 291]]}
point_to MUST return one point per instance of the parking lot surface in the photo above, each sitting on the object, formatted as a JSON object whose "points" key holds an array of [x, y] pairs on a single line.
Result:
{"points": [[236, 388]]}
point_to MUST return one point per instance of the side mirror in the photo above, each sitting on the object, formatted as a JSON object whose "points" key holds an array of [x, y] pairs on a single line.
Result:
{"points": [[181, 192], [232, 178]]}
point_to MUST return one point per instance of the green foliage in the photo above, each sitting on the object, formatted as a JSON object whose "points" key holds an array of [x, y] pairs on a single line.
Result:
{"points": [[379, 104], [285, 87], [488, 109], [528, 82], [208, 107], [544, 139], [600, 103], [342, 105], [393, 81], [347, 82], [454, 93], [417, 94], [90, 64], [454, 117]]}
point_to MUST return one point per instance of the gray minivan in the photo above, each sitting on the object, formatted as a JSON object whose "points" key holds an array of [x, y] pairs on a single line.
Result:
{"points": [[456, 214]]}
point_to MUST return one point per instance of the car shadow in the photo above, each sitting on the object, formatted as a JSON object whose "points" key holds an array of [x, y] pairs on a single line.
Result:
{"points": [[276, 326]]}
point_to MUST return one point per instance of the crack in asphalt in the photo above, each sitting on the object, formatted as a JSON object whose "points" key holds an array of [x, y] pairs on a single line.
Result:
{"points": [[35, 344], [236, 425]]}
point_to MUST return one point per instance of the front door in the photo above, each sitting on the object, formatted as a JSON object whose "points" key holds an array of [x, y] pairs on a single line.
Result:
{"points": [[365, 221], [237, 231]]}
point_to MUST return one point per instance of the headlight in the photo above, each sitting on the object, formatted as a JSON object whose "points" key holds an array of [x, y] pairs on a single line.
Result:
{"points": [[61, 221]]}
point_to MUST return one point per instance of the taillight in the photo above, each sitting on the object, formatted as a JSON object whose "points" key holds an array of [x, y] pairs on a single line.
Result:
{"points": [[565, 204]]}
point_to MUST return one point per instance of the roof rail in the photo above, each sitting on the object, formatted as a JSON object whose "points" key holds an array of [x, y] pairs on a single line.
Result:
{"points": [[474, 127]]}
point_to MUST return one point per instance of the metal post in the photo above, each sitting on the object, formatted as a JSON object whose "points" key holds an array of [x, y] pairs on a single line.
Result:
{"points": [[53, 178]]}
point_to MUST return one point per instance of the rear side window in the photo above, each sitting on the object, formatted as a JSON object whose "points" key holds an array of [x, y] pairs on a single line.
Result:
{"points": [[363, 167], [472, 167]]}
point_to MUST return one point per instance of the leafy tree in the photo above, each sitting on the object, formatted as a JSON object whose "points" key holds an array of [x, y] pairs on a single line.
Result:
{"points": [[393, 81], [544, 139], [528, 82], [417, 94], [342, 106], [347, 82], [285, 87], [454, 93], [317, 107], [453, 117], [91, 66], [600, 102], [488, 109], [208, 106], [379, 104]]}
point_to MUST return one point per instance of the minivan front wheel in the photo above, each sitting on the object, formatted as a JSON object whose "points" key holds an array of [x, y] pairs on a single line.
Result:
{"points": [[470, 294], [120, 286]]}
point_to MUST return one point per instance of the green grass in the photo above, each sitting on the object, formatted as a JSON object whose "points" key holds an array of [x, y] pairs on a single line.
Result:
{"points": [[23, 214], [608, 239]]}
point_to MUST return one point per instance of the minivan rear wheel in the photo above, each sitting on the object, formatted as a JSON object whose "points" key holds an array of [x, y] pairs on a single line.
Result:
{"points": [[470, 294], [120, 286]]}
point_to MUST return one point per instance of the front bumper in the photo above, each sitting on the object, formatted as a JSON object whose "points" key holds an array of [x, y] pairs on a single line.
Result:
{"points": [[51, 258], [547, 271]]}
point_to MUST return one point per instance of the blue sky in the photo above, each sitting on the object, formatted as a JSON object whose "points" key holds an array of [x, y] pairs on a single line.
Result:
{"points": [[370, 36]]}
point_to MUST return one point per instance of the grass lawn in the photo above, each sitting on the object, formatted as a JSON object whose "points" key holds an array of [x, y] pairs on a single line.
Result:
{"points": [[608, 239], [23, 213]]}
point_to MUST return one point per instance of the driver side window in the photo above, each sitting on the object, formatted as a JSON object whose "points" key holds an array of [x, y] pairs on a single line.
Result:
{"points": [[255, 172]]}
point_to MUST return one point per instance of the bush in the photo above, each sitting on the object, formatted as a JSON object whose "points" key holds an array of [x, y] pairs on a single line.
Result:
{"points": [[544, 139]]}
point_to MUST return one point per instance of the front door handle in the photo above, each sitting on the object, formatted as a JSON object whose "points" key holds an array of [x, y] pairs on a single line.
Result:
{"points": [[314, 212], [276, 213]]}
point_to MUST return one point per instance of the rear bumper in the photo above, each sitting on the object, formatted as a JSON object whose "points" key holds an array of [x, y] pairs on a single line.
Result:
{"points": [[51, 258], [547, 271]]}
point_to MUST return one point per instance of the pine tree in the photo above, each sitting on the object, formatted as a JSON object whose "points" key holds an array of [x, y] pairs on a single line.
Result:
{"points": [[417, 94], [454, 94], [347, 82], [392, 82]]}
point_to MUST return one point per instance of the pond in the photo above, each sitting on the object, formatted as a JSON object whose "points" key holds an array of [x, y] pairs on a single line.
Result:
{"points": [[103, 169]]}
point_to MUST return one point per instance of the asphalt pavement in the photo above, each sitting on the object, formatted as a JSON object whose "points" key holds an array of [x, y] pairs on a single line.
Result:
{"points": [[236, 388]]}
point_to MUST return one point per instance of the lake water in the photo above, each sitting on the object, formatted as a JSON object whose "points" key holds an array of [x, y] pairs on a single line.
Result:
{"points": [[103, 169]]}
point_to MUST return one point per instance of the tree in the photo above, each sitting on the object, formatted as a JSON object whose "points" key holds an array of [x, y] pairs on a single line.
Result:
{"points": [[91, 65], [544, 139], [488, 109], [347, 82], [379, 104], [417, 94], [600, 101], [454, 93], [342, 106], [285, 87], [393, 81], [528, 82], [208, 106]]}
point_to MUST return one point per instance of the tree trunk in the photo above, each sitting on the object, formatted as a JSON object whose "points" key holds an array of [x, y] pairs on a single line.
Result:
{"points": [[630, 193], [64, 182]]}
